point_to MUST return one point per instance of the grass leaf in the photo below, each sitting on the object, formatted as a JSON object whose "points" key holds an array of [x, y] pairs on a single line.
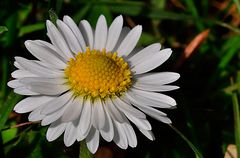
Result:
{"points": [[30, 28], [236, 119], [7, 107], [237, 2], [3, 29], [194, 149]]}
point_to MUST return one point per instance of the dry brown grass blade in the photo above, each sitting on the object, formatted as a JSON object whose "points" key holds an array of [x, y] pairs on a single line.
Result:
{"points": [[130, 22], [178, 4], [192, 46], [231, 151]]}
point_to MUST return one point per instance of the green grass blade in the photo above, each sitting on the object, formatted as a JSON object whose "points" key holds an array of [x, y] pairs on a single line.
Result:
{"points": [[59, 4], [4, 78], [194, 149], [30, 28], [3, 29], [84, 152], [7, 107], [191, 6], [237, 2], [82, 12], [229, 51], [233, 87], [138, 8], [236, 120]]}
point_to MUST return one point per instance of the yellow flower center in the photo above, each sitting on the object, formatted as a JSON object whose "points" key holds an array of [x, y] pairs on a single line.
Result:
{"points": [[98, 74]]}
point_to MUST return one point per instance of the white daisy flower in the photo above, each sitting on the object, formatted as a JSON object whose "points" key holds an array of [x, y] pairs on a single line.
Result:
{"points": [[89, 83]]}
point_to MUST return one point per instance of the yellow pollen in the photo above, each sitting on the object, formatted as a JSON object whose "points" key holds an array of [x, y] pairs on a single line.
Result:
{"points": [[98, 74]]}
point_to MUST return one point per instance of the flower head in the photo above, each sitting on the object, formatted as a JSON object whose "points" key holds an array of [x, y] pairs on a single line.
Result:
{"points": [[89, 83]]}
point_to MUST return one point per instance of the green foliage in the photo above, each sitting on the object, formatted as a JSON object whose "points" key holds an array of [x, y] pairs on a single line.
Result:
{"points": [[3, 29], [208, 104], [53, 16]]}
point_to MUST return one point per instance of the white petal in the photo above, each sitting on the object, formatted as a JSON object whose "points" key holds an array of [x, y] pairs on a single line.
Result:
{"points": [[101, 33], [22, 73], [124, 32], [48, 88], [107, 131], [154, 97], [152, 62], [126, 108], [141, 123], [130, 41], [119, 136], [55, 130], [70, 134], [71, 24], [134, 52], [54, 50], [14, 84], [154, 87], [148, 134], [114, 112], [37, 69], [114, 33], [160, 78], [85, 122], [158, 115], [87, 32], [73, 111], [24, 91], [44, 54], [55, 115], [92, 140], [36, 115], [34, 80], [143, 101], [144, 54], [131, 135], [17, 65], [58, 40], [69, 36], [56, 104], [98, 115], [31, 103]]}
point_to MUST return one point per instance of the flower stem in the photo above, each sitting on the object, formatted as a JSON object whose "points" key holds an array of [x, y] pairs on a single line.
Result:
{"points": [[84, 152]]}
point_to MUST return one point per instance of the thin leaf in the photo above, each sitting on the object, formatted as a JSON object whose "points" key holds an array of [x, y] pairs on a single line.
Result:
{"points": [[138, 8], [7, 107], [4, 78], [59, 6], [236, 119], [194, 149], [229, 51], [82, 12], [192, 7], [237, 2], [192, 46], [84, 152], [30, 28], [231, 88], [3, 29], [231, 151]]}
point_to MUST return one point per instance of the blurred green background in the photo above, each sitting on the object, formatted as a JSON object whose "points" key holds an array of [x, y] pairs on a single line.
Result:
{"points": [[205, 38]]}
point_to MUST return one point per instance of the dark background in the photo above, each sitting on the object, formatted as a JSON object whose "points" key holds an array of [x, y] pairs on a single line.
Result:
{"points": [[205, 38]]}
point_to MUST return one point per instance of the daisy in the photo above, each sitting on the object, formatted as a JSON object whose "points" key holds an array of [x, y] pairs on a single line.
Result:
{"points": [[91, 83]]}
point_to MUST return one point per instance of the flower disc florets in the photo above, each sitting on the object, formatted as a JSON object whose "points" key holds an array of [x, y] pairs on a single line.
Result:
{"points": [[98, 74]]}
